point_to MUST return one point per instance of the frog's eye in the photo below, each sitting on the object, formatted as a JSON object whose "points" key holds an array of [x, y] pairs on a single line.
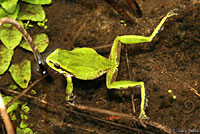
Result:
{"points": [[56, 65]]}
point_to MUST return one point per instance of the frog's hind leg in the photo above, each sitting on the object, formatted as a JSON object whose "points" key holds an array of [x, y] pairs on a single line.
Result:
{"points": [[115, 58], [112, 84], [134, 39]]}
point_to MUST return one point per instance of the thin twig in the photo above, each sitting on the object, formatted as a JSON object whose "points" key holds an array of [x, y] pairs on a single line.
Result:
{"points": [[133, 104], [81, 128], [127, 62], [103, 111], [123, 115], [113, 123], [196, 39], [130, 77], [6, 117], [78, 113], [29, 40], [158, 125], [25, 90]]}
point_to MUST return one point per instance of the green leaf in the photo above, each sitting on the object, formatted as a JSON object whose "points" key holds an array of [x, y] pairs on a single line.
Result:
{"points": [[24, 130], [13, 107], [31, 12], [5, 58], [41, 2], [23, 124], [25, 108], [21, 73], [9, 5], [5, 14], [12, 87], [40, 40], [10, 36], [27, 131], [13, 117], [23, 116], [19, 131], [33, 92]]}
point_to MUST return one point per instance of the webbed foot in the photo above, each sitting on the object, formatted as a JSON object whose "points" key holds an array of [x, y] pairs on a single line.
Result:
{"points": [[171, 13], [142, 117], [70, 99]]}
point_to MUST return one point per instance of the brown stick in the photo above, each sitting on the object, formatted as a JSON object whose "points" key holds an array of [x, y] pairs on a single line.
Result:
{"points": [[25, 90], [133, 104], [133, 4], [103, 111], [78, 113], [123, 115], [28, 39], [120, 10], [6, 117], [73, 126], [196, 39], [127, 62]]}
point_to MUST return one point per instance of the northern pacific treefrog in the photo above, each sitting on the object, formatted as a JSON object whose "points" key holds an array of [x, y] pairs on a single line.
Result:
{"points": [[86, 64]]}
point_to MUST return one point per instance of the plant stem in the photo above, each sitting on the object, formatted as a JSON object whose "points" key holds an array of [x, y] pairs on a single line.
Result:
{"points": [[6, 117], [28, 39]]}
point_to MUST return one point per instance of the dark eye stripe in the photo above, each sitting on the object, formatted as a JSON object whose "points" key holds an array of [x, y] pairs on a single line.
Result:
{"points": [[57, 66]]}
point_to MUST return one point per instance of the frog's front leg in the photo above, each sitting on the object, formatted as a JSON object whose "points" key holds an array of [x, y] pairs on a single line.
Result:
{"points": [[69, 89]]}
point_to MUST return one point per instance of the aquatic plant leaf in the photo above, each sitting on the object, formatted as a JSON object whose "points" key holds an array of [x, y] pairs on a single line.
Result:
{"points": [[13, 87], [41, 2], [12, 107], [25, 108], [40, 40], [3, 13], [9, 5], [23, 124], [21, 73], [19, 130], [31, 12], [28, 131], [24, 131], [5, 58], [10, 36]]}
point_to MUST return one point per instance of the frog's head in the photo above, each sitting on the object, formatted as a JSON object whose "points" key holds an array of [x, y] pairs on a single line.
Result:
{"points": [[54, 60]]}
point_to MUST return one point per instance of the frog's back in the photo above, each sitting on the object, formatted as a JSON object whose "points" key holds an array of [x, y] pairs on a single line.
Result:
{"points": [[84, 63]]}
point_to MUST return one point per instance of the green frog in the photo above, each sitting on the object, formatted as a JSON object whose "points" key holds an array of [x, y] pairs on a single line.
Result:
{"points": [[86, 64]]}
